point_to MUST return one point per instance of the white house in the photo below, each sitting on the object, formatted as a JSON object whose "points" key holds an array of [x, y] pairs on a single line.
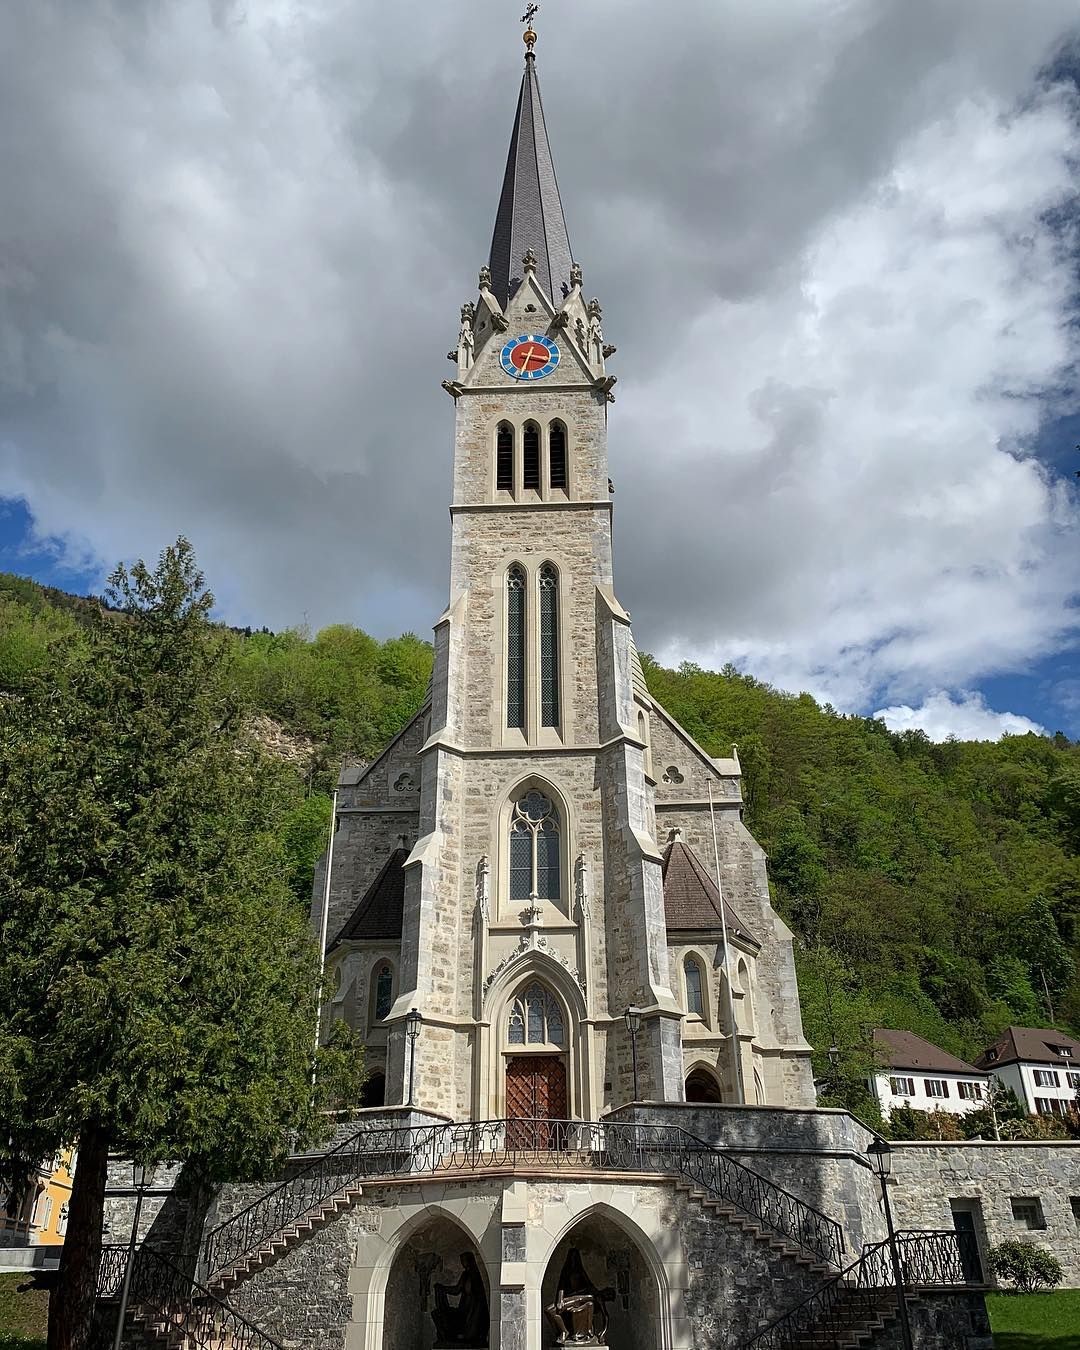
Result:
{"points": [[914, 1072], [1041, 1066]]}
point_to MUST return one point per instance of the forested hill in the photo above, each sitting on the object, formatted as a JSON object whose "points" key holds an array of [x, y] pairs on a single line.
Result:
{"points": [[934, 888]]}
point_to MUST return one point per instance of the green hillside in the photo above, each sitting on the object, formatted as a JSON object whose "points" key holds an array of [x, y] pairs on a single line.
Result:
{"points": [[934, 888]]}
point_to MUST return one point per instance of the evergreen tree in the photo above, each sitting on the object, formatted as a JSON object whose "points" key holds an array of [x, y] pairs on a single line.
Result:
{"points": [[158, 981]]}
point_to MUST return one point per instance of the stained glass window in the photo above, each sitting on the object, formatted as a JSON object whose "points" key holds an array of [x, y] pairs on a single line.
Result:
{"points": [[695, 1002], [384, 992], [535, 849], [557, 454], [549, 646], [535, 1018], [504, 458], [515, 647], [530, 444]]}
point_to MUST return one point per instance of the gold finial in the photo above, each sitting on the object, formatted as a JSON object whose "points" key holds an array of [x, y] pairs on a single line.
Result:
{"points": [[531, 11]]}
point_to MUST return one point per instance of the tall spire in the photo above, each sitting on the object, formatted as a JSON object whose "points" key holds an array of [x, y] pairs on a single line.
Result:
{"points": [[530, 211]]}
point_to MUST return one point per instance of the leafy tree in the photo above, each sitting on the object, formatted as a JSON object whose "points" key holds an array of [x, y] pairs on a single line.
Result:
{"points": [[158, 982], [1028, 1267]]}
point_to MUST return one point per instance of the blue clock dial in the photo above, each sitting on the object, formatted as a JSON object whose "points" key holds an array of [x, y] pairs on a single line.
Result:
{"points": [[530, 357]]}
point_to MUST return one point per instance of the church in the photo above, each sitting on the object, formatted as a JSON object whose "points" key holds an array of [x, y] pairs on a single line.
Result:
{"points": [[590, 1117], [544, 859]]}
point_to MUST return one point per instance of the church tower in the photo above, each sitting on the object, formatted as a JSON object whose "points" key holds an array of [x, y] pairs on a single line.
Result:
{"points": [[532, 864]]}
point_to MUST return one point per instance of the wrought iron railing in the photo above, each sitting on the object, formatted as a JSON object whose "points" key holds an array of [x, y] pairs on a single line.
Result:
{"points": [[385, 1152], [167, 1301], [867, 1288]]}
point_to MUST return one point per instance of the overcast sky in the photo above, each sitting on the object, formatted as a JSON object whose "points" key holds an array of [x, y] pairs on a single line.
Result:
{"points": [[836, 245]]}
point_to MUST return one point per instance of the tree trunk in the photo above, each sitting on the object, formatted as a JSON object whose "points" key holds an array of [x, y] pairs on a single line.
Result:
{"points": [[71, 1307]]}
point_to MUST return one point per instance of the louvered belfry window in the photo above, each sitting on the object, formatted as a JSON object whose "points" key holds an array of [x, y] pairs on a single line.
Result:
{"points": [[535, 870], [504, 458], [557, 454], [515, 647], [549, 646], [530, 444]]}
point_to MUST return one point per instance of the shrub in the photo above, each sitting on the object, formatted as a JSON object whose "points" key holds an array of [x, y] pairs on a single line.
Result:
{"points": [[1025, 1265]]}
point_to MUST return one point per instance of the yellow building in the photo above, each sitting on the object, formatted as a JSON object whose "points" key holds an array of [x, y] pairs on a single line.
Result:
{"points": [[41, 1219]]}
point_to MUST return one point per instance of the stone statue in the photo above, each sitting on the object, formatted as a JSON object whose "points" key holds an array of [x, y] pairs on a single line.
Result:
{"points": [[467, 1323], [578, 1313]]}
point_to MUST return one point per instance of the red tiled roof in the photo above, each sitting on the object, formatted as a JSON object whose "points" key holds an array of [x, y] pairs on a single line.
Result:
{"points": [[905, 1050], [691, 900], [1032, 1045], [379, 913]]}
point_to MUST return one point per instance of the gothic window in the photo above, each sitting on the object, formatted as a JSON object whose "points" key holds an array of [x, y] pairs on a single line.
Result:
{"points": [[535, 1018], [549, 646], [384, 992], [530, 442], [535, 850], [695, 1002], [504, 458], [515, 647], [557, 454]]}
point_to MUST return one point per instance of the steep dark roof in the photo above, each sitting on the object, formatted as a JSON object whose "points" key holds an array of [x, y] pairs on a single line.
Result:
{"points": [[691, 900], [1032, 1045], [905, 1050], [530, 212], [379, 913]]}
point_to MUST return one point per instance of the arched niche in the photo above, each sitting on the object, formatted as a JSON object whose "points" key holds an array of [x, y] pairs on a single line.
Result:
{"points": [[431, 1254], [702, 1085], [373, 1093], [613, 1258]]}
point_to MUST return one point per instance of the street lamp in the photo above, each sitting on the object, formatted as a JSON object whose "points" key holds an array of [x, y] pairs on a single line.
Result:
{"points": [[880, 1154], [141, 1176], [632, 1018], [413, 1022]]}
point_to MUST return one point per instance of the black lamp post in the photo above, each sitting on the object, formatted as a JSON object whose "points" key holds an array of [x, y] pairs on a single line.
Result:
{"points": [[140, 1175], [632, 1018], [413, 1021], [880, 1154]]}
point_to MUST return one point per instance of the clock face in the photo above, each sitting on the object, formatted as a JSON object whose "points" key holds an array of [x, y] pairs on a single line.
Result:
{"points": [[530, 358]]}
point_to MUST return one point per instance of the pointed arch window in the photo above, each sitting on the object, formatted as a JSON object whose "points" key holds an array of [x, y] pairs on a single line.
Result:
{"points": [[535, 849], [530, 444], [557, 455], [384, 991], [535, 1018], [515, 647], [695, 1000], [504, 458], [549, 646]]}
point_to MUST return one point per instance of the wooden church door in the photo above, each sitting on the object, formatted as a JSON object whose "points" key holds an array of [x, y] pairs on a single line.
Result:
{"points": [[535, 1092]]}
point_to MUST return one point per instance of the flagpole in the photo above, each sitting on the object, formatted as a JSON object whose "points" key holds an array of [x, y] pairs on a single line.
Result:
{"points": [[739, 1089]]}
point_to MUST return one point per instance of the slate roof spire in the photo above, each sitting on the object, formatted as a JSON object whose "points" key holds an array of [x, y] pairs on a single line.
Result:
{"points": [[530, 211]]}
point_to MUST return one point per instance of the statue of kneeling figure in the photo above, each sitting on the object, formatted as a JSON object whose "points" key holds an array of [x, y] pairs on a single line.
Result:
{"points": [[465, 1325], [578, 1315]]}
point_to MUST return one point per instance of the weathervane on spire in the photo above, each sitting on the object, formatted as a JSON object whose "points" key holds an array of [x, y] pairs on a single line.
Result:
{"points": [[531, 11]]}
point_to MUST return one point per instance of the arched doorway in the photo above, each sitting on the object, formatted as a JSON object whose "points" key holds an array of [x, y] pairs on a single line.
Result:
{"points": [[614, 1265], [373, 1093], [437, 1276], [702, 1086], [535, 1051]]}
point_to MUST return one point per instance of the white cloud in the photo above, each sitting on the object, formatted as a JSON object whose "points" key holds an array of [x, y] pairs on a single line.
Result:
{"points": [[964, 716]]}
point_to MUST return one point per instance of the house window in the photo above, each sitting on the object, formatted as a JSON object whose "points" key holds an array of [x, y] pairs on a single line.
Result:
{"points": [[1074, 1081], [1051, 1106], [46, 1213], [549, 646], [1065, 1051], [504, 458], [557, 454], [1046, 1078], [515, 647], [535, 849], [535, 1018], [935, 1087], [530, 443], [902, 1087], [695, 1002], [970, 1092], [1027, 1209], [384, 992]]}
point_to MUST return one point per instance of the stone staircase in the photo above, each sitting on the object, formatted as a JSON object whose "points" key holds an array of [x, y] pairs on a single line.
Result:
{"points": [[754, 1228]]}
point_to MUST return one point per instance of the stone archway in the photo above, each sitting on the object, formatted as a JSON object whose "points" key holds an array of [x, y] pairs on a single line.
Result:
{"points": [[702, 1086], [613, 1260], [431, 1255]]}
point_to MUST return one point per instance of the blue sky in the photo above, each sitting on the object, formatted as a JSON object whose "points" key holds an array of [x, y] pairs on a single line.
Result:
{"points": [[839, 264]]}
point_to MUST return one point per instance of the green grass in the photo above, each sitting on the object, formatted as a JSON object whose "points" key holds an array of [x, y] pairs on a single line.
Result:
{"points": [[1034, 1321], [23, 1317]]}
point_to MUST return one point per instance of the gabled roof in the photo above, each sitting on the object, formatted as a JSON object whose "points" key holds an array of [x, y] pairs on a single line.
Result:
{"points": [[905, 1050], [1031, 1045], [530, 214], [691, 900], [379, 913]]}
